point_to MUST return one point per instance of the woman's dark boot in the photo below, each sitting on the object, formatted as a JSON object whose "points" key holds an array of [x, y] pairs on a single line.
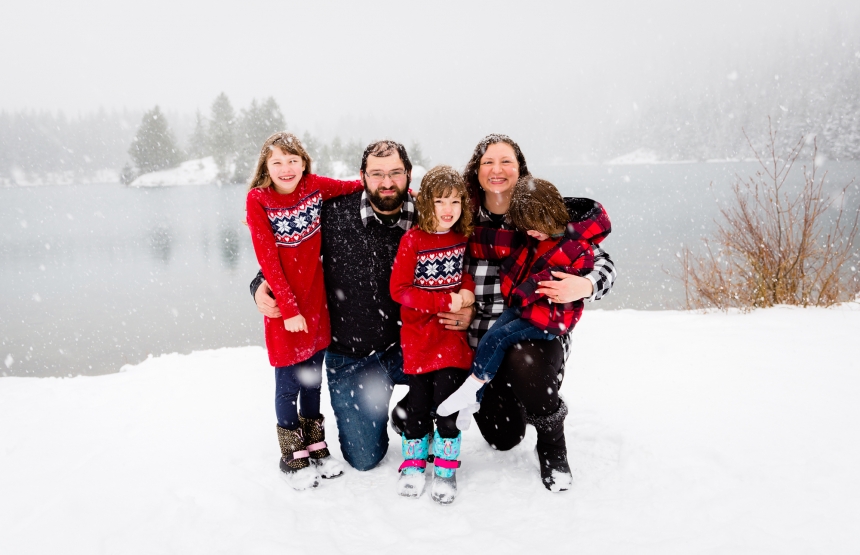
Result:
{"points": [[551, 449], [314, 432]]}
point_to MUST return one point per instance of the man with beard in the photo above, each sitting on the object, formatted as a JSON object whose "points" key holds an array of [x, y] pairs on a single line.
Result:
{"points": [[360, 238]]}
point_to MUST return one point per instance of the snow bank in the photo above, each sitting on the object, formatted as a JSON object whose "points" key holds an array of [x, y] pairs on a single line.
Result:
{"points": [[202, 171], [638, 156], [205, 172], [688, 433], [643, 156]]}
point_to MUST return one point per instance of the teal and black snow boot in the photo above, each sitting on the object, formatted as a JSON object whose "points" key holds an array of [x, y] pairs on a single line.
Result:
{"points": [[446, 450], [411, 482]]}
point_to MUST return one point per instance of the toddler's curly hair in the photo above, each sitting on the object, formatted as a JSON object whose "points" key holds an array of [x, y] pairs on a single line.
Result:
{"points": [[441, 182]]}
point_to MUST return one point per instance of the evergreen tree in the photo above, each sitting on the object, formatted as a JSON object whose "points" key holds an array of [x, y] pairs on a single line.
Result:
{"points": [[6, 144], [312, 146], [417, 156], [352, 152], [198, 142], [336, 150], [256, 124], [319, 154], [272, 116], [222, 140], [127, 174], [153, 147]]}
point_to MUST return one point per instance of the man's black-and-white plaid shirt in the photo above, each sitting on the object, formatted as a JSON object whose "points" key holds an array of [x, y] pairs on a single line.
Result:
{"points": [[408, 215], [488, 294]]}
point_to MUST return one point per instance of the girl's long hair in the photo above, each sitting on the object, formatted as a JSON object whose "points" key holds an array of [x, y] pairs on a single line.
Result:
{"points": [[441, 182], [289, 144]]}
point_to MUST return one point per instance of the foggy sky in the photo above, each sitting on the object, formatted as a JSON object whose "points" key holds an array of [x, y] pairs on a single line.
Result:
{"points": [[445, 73]]}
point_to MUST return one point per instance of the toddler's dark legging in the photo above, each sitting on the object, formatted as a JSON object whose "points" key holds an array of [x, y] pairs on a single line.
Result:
{"points": [[298, 382], [426, 391]]}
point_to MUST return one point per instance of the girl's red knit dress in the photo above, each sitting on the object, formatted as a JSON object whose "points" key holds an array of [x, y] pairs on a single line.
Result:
{"points": [[285, 230], [428, 267]]}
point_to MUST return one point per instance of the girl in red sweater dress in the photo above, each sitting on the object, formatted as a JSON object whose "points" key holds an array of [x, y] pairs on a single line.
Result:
{"points": [[283, 213], [429, 277]]}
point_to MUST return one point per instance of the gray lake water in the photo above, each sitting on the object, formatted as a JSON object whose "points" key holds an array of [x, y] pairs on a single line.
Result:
{"points": [[96, 276]]}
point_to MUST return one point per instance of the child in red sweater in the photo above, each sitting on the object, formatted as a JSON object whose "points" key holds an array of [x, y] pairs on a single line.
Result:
{"points": [[545, 241], [283, 213], [429, 277]]}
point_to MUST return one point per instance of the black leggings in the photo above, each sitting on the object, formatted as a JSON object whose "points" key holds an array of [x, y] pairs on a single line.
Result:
{"points": [[527, 381], [426, 391]]}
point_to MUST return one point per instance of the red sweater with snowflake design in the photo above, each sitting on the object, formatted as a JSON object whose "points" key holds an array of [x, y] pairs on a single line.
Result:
{"points": [[285, 230], [427, 269]]}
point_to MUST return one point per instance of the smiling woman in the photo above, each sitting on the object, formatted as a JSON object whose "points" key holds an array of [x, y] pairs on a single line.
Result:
{"points": [[532, 370]]}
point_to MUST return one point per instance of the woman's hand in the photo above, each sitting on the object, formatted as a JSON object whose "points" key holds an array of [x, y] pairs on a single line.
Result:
{"points": [[468, 298], [266, 304], [296, 323], [537, 235], [570, 288], [457, 321]]}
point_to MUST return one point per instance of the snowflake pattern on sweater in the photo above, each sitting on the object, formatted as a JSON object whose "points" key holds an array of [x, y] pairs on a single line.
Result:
{"points": [[440, 268], [295, 225], [427, 269]]}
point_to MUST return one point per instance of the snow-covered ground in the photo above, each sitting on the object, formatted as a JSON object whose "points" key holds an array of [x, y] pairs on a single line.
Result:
{"points": [[202, 171], [688, 433]]}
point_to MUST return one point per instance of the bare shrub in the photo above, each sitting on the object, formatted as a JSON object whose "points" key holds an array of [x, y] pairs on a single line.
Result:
{"points": [[774, 246]]}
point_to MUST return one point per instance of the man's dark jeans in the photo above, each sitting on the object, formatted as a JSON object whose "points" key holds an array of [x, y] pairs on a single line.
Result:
{"points": [[360, 390]]}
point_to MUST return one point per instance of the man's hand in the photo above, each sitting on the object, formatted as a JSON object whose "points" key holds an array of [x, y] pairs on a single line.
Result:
{"points": [[570, 288], [296, 323], [267, 305], [468, 297], [458, 321], [456, 302]]}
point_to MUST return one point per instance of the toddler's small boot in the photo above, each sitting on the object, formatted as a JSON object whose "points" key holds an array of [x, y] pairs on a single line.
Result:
{"points": [[314, 432], [551, 449], [294, 460], [411, 482], [446, 450]]}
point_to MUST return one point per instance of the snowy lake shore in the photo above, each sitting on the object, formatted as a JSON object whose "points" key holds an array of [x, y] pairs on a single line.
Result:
{"points": [[704, 433], [96, 276]]}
